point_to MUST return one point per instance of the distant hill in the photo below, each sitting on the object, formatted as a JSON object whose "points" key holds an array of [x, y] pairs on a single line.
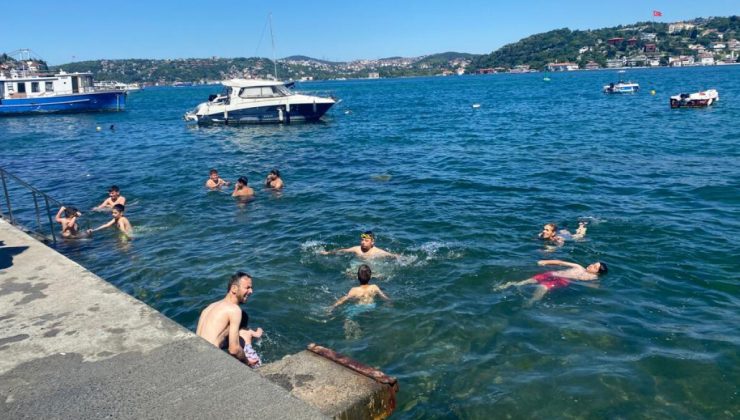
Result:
{"points": [[306, 58], [582, 46], [644, 43]]}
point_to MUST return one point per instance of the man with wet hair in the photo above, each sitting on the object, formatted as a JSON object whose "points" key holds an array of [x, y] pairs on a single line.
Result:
{"points": [[241, 190], [556, 279], [364, 293], [220, 321], [273, 180], [114, 197], [366, 249], [214, 181]]}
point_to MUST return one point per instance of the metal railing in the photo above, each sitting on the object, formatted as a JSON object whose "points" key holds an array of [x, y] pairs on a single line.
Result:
{"points": [[19, 212]]}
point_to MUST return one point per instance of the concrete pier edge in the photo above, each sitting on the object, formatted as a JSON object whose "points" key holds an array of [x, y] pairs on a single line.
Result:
{"points": [[74, 346]]}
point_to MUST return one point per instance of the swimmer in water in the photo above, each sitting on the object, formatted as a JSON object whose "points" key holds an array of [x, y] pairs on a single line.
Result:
{"points": [[364, 293], [119, 221], [214, 181], [273, 180], [67, 217], [550, 233], [556, 279], [241, 190], [114, 197], [366, 249]]}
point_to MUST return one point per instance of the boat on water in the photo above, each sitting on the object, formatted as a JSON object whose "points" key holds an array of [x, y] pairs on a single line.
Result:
{"points": [[114, 85], [695, 100], [24, 93], [621, 87], [245, 101]]}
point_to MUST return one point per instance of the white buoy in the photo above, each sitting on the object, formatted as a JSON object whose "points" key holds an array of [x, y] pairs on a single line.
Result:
{"points": [[97, 128], [476, 106]]}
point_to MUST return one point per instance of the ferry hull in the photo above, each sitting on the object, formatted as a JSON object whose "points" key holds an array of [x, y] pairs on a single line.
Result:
{"points": [[82, 102], [268, 114]]}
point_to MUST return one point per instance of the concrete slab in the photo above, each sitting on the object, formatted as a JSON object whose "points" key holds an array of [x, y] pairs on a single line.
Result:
{"points": [[74, 346], [337, 385]]}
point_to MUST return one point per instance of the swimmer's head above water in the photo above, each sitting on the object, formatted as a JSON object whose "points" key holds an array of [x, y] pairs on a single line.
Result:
{"points": [[242, 181], [367, 240], [70, 212], [118, 210], [549, 231], [597, 268], [364, 274]]}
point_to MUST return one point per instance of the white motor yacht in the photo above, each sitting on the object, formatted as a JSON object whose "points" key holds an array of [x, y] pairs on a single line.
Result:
{"points": [[245, 101]]}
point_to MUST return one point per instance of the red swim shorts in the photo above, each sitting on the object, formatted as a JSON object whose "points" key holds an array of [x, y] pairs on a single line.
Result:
{"points": [[550, 280]]}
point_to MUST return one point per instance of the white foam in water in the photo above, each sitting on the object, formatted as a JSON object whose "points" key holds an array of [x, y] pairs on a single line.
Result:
{"points": [[313, 246]]}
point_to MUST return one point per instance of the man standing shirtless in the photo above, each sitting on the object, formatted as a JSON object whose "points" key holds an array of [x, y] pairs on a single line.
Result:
{"points": [[219, 322]]}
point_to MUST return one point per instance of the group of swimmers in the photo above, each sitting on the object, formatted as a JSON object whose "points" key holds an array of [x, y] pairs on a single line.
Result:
{"points": [[115, 203], [68, 217], [241, 188], [225, 325]]}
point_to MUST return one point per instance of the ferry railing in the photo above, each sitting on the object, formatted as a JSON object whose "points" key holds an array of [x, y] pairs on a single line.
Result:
{"points": [[19, 211]]}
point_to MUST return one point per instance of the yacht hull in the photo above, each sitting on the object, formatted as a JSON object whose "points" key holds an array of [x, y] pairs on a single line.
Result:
{"points": [[269, 114]]}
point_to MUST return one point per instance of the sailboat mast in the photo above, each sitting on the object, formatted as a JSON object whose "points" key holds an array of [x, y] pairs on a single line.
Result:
{"points": [[272, 39]]}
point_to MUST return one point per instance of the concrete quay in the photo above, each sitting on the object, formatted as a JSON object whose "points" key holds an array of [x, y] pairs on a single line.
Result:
{"points": [[74, 346]]}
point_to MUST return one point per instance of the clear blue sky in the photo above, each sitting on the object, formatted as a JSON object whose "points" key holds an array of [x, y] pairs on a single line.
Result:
{"points": [[329, 29]]}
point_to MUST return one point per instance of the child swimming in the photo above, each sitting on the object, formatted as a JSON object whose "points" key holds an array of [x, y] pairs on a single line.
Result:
{"points": [[550, 233], [364, 293], [70, 228], [119, 221]]}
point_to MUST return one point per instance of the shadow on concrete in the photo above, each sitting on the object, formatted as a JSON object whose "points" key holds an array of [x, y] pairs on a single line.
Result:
{"points": [[7, 253]]}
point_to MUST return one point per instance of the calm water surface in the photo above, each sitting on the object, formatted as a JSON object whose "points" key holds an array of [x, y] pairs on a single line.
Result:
{"points": [[460, 193]]}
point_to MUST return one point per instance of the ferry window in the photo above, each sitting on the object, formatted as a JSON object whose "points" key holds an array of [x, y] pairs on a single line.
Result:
{"points": [[21, 87], [49, 87], [34, 86]]}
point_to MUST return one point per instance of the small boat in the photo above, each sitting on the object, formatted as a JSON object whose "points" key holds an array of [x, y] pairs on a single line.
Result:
{"points": [[30, 93], [245, 101], [695, 100], [621, 87]]}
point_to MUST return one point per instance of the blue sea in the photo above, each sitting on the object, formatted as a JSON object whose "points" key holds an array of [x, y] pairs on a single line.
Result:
{"points": [[461, 194]]}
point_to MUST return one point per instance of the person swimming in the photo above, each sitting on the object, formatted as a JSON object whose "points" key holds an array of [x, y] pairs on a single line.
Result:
{"points": [[214, 181], [366, 249], [550, 233], [273, 180], [67, 217], [119, 221], [364, 293], [556, 279], [241, 190]]}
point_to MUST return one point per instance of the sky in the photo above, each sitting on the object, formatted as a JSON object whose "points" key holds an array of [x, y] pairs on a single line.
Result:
{"points": [[61, 32]]}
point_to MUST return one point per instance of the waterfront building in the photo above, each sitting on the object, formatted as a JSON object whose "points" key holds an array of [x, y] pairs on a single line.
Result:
{"points": [[567, 66]]}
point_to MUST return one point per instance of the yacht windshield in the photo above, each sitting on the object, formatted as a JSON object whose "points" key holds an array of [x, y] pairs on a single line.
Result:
{"points": [[263, 92]]}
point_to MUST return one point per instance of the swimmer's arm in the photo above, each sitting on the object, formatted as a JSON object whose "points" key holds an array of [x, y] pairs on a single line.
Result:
{"points": [[235, 318], [122, 200], [557, 262], [339, 302], [381, 294], [339, 251], [107, 225], [58, 217]]}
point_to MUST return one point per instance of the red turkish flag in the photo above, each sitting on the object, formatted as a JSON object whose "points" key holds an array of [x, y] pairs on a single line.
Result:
{"points": [[657, 13]]}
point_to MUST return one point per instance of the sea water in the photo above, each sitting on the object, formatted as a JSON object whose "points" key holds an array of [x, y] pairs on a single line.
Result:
{"points": [[460, 193]]}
